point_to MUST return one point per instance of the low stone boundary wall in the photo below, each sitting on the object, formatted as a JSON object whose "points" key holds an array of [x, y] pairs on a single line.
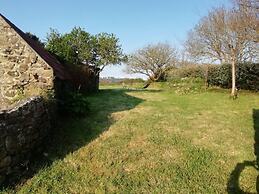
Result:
{"points": [[22, 132]]}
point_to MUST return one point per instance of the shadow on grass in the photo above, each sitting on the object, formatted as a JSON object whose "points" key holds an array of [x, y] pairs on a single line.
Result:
{"points": [[70, 134], [233, 185]]}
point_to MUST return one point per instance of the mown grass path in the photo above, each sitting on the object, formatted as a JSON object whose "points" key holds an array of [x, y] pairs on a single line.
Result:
{"points": [[154, 141]]}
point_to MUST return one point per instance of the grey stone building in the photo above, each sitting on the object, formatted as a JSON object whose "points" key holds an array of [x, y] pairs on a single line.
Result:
{"points": [[25, 67]]}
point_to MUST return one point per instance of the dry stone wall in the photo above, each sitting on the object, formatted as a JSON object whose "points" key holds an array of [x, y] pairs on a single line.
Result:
{"points": [[21, 69], [22, 132]]}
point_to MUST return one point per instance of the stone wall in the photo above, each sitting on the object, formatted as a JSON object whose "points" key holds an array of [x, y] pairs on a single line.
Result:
{"points": [[23, 129], [21, 69]]}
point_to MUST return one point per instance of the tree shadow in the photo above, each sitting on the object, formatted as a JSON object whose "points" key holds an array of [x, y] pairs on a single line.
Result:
{"points": [[70, 134], [233, 185]]}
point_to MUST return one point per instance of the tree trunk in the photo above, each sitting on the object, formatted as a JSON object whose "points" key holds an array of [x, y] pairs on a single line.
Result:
{"points": [[206, 74], [147, 84], [233, 90]]}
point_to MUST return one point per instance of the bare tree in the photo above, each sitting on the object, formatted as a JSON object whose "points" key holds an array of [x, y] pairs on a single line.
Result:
{"points": [[154, 61], [247, 4], [250, 7], [227, 36]]}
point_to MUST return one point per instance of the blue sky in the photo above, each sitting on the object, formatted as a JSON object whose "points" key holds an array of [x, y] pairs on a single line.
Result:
{"points": [[135, 22]]}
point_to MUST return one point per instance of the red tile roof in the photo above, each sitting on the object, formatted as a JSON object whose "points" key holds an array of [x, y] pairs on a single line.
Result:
{"points": [[59, 69]]}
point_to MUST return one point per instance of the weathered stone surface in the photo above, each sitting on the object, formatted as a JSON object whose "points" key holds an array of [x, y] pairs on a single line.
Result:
{"points": [[33, 57], [13, 73], [9, 94], [23, 129], [17, 62], [2, 179], [43, 80], [23, 67], [3, 153], [5, 162], [25, 78], [11, 144]]}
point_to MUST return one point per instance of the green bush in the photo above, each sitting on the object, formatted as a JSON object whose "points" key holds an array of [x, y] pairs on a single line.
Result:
{"points": [[219, 75], [187, 85], [194, 71], [74, 104], [247, 75]]}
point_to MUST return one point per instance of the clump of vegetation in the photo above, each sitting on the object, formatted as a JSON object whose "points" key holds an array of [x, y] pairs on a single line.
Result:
{"points": [[187, 85], [189, 71], [247, 75], [73, 104]]}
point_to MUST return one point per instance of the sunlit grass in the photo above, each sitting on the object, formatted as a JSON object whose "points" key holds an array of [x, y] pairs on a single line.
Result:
{"points": [[152, 141]]}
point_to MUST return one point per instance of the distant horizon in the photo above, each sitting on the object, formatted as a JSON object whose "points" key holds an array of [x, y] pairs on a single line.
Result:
{"points": [[107, 77], [135, 23]]}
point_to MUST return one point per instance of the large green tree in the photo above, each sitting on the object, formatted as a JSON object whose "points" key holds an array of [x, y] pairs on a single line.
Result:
{"points": [[79, 47]]}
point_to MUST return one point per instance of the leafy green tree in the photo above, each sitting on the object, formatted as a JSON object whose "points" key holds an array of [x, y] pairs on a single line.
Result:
{"points": [[81, 48], [108, 50]]}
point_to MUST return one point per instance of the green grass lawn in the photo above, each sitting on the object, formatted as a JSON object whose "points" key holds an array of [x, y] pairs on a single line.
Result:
{"points": [[153, 141]]}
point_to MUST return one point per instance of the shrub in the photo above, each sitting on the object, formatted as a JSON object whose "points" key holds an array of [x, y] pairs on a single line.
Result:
{"points": [[194, 71], [187, 85], [74, 104], [247, 75], [219, 75]]}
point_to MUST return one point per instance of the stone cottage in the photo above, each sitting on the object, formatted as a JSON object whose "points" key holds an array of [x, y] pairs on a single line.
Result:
{"points": [[27, 71], [25, 67]]}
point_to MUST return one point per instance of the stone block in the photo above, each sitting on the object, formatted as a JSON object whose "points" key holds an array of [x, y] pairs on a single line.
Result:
{"points": [[42, 79], [33, 57], [3, 170], [11, 93], [14, 40], [5, 162], [2, 179], [24, 78], [13, 59], [27, 61], [13, 73], [17, 160], [8, 65], [47, 73], [23, 67], [14, 114], [21, 139], [3, 153], [12, 145]]}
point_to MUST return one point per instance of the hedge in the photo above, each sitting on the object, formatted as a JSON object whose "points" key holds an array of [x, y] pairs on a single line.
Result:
{"points": [[247, 75]]}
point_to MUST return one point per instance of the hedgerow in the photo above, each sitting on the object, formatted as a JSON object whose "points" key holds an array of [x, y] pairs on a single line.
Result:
{"points": [[247, 75]]}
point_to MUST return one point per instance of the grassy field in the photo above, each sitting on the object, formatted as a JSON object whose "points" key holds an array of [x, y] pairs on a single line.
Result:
{"points": [[153, 141]]}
